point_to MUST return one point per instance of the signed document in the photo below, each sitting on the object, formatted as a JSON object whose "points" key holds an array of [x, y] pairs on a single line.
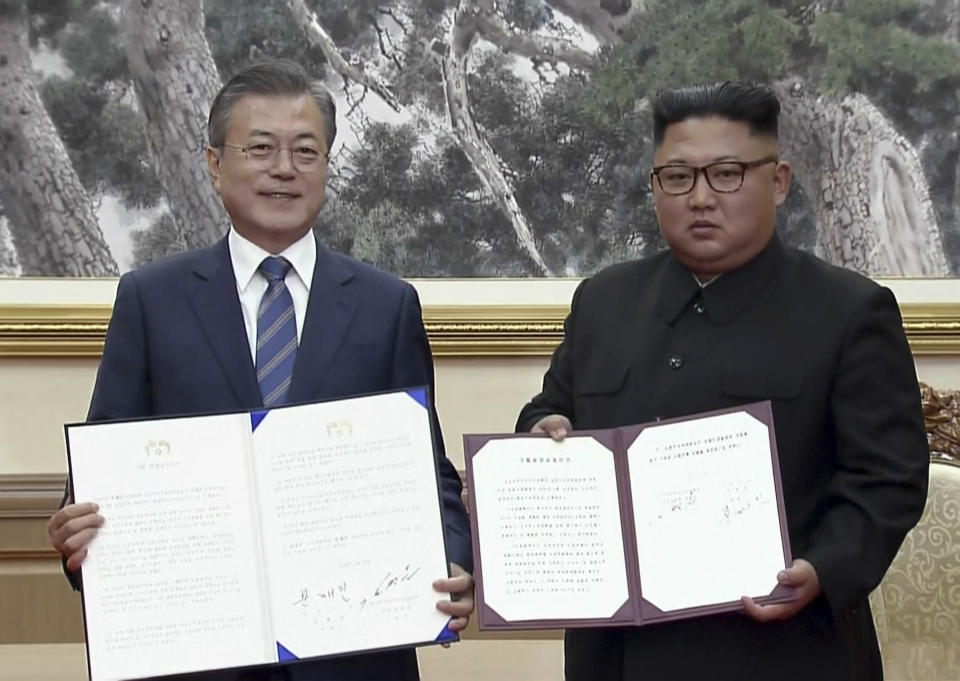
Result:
{"points": [[260, 538], [627, 526]]}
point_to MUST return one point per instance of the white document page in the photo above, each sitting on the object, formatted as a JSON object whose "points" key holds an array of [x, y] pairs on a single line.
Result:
{"points": [[171, 580], [704, 504], [548, 521], [351, 524]]}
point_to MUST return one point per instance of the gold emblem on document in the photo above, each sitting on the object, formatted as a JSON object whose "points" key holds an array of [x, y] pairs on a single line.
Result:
{"points": [[157, 449], [339, 429]]}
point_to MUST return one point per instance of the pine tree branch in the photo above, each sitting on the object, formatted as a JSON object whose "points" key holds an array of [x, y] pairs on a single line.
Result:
{"points": [[319, 36]]}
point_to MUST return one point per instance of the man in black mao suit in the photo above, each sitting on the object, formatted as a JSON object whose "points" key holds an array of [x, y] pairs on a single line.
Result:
{"points": [[184, 333], [727, 316]]}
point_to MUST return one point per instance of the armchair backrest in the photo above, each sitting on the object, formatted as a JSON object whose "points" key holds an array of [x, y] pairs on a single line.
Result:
{"points": [[916, 608]]}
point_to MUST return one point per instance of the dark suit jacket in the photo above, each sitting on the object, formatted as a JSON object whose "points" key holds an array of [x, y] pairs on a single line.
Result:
{"points": [[176, 344], [643, 342]]}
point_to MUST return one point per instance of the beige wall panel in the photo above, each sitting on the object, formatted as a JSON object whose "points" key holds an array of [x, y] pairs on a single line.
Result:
{"points": [[38, 396], [483, 395], [474, 395], [465, 661], [37, 603], [940, 372]]}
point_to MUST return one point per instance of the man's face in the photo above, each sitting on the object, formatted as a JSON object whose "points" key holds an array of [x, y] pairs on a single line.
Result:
{"points": [[708, 231], [271, 202]]}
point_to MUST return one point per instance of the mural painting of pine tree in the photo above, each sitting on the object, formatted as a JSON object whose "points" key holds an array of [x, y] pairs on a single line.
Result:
{"points": [[481, 138]]}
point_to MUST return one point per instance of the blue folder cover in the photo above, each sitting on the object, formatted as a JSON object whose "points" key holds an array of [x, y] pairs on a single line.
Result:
{"points": [[420, 395], [446, 635], [285, 655], [257, 416]]}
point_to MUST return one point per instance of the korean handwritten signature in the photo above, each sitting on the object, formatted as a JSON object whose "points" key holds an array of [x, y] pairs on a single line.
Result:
{"points": [[341, 591]]}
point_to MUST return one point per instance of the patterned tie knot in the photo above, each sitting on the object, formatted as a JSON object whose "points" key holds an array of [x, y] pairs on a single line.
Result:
{"points": [[275, 268]]}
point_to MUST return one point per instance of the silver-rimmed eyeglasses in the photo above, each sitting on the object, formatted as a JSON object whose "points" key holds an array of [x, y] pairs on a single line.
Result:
{"points": [[262, 155]]}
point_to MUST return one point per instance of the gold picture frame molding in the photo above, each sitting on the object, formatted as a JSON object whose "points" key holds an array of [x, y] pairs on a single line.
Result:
{"points": [[454, 330]]}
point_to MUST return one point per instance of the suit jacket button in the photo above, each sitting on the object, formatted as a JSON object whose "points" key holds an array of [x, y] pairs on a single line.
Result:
{"points": [[675, 362], [699, 307]]}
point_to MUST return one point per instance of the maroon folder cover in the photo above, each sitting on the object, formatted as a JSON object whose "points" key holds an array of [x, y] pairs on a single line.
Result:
{"points": [[636, 610]]}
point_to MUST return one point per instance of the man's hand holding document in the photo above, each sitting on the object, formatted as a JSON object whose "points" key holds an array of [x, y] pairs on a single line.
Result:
{"points": [[265, 537], [628, 526]]}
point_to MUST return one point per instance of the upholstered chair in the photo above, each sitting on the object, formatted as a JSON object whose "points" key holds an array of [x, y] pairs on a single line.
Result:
{"points": [[916, 608]]}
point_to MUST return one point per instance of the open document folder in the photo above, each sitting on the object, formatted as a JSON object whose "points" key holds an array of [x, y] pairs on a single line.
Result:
{"points": [[627, 526], [255, 538]]}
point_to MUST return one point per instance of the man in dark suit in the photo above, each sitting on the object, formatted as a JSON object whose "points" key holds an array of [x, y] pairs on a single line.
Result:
{"points": [[185, 336], [728, 316]]}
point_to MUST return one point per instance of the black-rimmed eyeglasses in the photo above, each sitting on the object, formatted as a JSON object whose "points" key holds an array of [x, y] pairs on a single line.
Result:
{"points": [[724, 177]]}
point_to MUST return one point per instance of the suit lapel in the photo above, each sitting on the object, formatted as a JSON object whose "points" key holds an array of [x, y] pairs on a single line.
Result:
{"points": [[217, 306], [329, 311]]}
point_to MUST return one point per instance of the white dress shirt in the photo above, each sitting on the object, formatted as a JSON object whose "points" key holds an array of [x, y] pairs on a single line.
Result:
{"points": [[705, 284], [246, 257]]}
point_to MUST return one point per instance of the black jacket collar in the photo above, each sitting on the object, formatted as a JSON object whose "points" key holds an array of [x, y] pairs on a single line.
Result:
{"points": [[726, 297]]}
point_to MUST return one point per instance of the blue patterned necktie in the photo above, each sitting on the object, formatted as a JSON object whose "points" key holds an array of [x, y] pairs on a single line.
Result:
{"points": [[276, 333]]}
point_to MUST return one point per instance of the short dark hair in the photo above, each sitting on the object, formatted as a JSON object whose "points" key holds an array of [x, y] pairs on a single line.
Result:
{"points": [[280, 77], [752, 103]]}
